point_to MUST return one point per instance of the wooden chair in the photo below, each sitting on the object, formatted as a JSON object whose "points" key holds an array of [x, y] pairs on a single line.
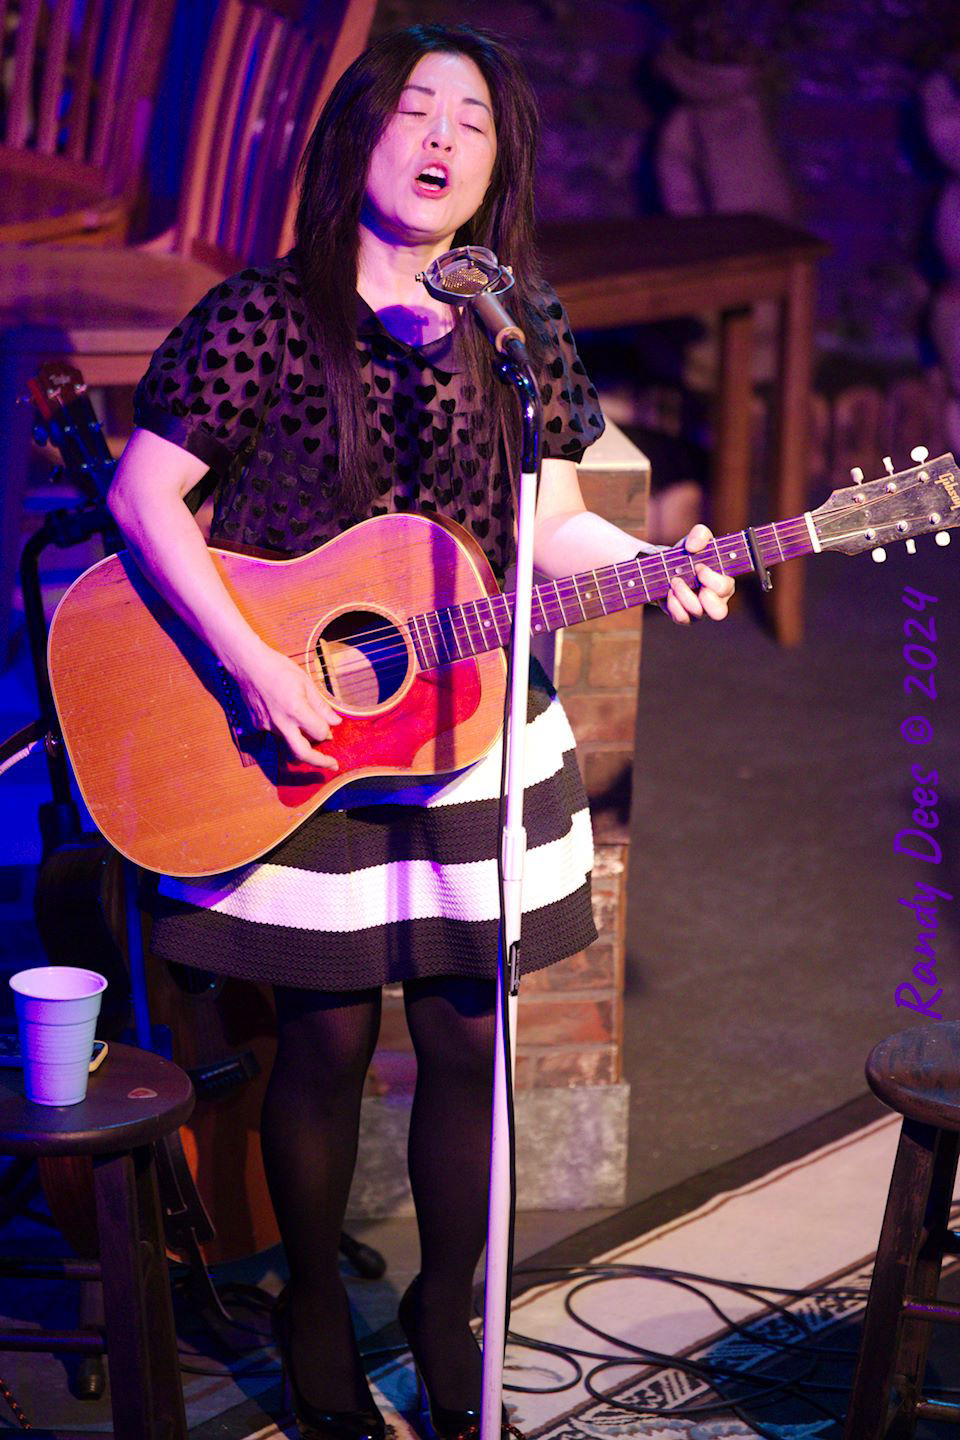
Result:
{"points": [[264, 82], [78, 90]]}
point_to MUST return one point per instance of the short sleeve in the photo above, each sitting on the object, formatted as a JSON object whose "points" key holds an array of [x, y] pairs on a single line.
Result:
{"points": [[572, 418], [210, 382]]}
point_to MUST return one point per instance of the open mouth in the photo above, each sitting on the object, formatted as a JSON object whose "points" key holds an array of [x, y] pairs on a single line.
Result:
{"points": [[432, 180]]}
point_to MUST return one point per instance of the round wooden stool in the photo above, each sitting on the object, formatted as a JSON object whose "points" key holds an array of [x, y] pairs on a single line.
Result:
{"points": [[916, 1073], [132, 1102]]}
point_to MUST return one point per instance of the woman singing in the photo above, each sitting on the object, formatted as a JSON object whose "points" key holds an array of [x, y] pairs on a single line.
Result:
{"points": [[322, 389]]}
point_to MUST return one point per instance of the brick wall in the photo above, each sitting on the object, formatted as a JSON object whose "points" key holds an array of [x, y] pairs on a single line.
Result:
{"points": [[597, 662], [862, 422], [570, 1026]]}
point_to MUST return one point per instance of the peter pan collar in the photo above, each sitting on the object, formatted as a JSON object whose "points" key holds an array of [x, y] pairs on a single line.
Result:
{"points": [[372, 329]]}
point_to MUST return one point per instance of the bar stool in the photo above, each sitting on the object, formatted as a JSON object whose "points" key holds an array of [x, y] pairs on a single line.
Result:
{"points": [[916, 1073], [133, 1101]]}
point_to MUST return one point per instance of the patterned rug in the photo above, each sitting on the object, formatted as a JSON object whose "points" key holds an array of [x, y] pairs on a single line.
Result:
{"points": [[810, 1226]]}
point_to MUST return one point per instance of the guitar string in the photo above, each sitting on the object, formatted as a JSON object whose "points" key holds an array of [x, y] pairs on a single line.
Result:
{"points": [[449, 626], [553, 592], [781, 534], [449, 630], [449, 634]]}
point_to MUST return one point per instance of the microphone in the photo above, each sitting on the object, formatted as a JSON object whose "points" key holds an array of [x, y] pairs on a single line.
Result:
{"points": [[471, 275]]}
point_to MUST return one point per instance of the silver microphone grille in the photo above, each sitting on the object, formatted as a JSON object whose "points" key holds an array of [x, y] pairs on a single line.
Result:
{"points": [[464, 274], [467, 280]]}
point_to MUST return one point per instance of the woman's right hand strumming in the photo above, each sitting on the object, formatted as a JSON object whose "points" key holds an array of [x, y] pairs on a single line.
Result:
{"points": [[146, 500], [283, 699]]}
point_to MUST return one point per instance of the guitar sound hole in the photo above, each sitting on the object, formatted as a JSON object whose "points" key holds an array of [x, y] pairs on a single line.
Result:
{"points": [[363, 659]]}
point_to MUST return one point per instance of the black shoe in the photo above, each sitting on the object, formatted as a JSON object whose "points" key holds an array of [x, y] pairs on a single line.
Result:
{"points": [[312, 1423], [447, 1424]]}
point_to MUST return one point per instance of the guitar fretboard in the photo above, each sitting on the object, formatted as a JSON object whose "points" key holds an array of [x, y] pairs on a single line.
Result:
{"points": [[442, 636]]}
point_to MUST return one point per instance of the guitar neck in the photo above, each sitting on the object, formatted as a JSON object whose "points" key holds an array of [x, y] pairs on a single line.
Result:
{"points": [[453, 633]]}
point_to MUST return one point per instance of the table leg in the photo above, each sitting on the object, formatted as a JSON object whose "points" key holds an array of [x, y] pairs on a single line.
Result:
{"points": [[790, 462], [145, 1389], [161, 1335], [731, 454]]}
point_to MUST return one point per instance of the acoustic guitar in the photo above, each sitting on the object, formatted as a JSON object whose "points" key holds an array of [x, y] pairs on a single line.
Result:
{"points": [[399, 623]]}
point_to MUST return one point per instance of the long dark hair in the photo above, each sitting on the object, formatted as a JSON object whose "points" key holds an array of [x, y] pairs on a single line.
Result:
{"points": [[333, 174]]}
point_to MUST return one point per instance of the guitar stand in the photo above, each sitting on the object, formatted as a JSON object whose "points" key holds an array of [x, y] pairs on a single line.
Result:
{"points": [[186, 1222]]}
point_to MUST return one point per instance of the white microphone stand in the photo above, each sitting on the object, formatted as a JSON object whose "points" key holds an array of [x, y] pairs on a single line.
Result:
{"points": [[515, 370], [473, 275]]}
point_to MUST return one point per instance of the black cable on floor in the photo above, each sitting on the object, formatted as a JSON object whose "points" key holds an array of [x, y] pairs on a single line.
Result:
{"points": [[718, 1377]]}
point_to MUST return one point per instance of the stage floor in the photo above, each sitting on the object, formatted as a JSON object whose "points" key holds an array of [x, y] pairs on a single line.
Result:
{"points": [[802, 1215]]}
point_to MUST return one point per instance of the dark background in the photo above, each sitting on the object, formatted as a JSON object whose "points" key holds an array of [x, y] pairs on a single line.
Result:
{"points": [[840, 78]]}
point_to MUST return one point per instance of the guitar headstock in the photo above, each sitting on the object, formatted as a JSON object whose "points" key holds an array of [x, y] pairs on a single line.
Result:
{"points": [[923, 500], [59, 392], [56, 385]]}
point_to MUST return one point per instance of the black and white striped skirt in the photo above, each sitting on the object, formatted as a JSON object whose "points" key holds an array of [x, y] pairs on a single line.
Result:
{"points": [[401, 883]]}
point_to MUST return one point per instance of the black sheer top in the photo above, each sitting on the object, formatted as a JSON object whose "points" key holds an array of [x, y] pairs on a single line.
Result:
{"points": [[238, 383]]}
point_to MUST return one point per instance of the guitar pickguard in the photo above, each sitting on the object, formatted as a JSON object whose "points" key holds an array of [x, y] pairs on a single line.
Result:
{"points": [[390, 740]]}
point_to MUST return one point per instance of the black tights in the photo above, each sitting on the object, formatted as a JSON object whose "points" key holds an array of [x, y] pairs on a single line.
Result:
{"points": [[311, 1117]]}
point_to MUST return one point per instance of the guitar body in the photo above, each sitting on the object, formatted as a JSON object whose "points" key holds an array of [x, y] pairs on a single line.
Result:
{"points": [[168, 769]]}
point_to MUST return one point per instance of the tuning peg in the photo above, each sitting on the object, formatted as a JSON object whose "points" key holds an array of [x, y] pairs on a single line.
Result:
{"points": [[911, 547], [942, 537], [919, 454], [888, 464], [879, 554], [856, 475]]}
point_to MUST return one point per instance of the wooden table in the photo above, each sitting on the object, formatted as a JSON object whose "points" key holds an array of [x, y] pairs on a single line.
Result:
{"points": [[660, 267]]}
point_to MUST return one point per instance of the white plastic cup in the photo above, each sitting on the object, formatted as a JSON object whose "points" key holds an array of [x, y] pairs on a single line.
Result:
{"points": [[57, 1009]]}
